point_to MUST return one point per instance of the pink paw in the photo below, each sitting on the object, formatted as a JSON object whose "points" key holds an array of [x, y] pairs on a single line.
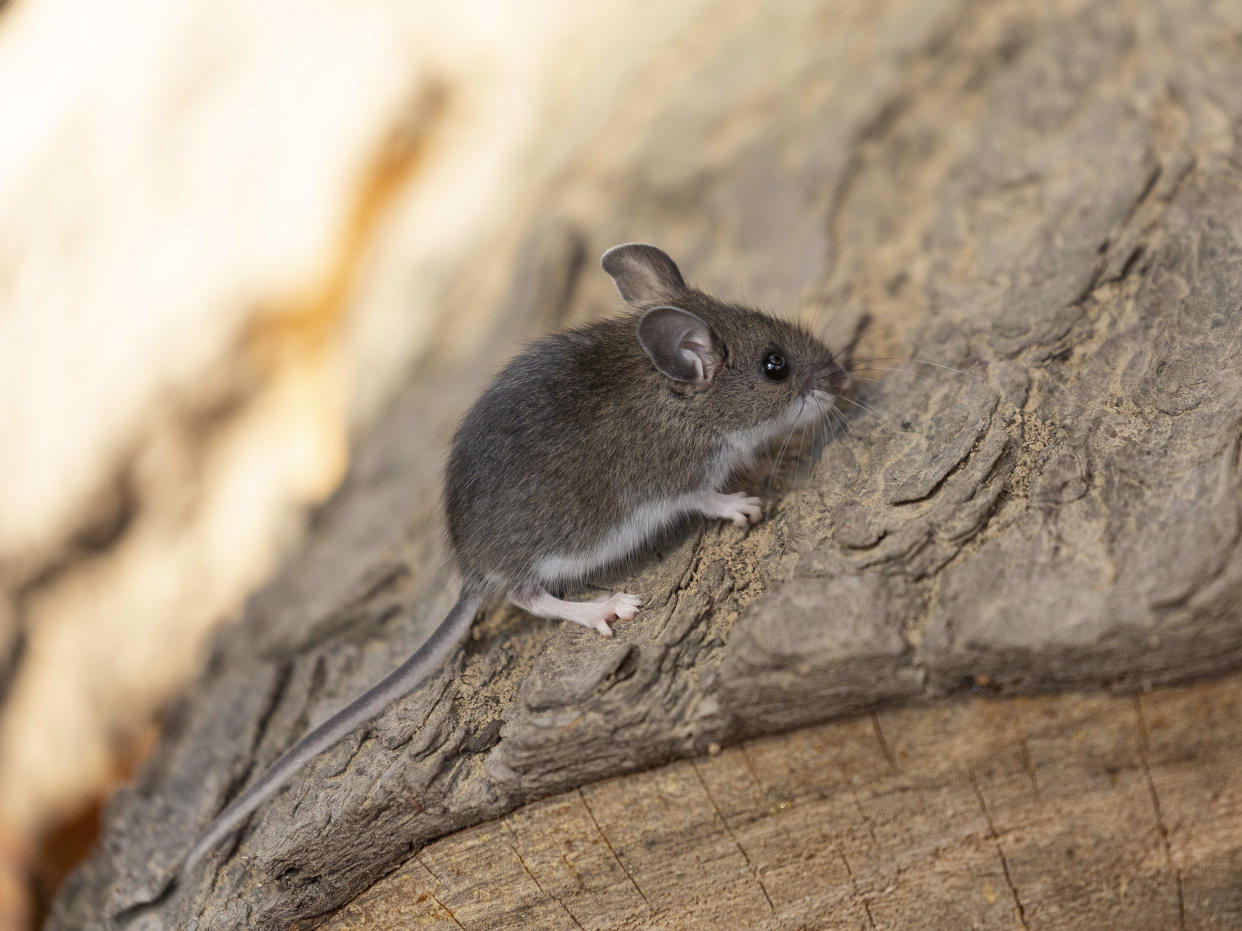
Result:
{"points": [[618, 607], [624, 606], [739, 508]]}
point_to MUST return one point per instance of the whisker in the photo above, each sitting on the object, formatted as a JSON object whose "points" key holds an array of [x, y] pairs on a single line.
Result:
{"points": [[865, 363], [780, 455], [841, 418], [840, 423], [878, 375], [798, 457], [826, 429], [877, 370], [843, 430], [863, 405]]}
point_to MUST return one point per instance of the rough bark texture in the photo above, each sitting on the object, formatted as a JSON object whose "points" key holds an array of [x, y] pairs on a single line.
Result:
{"points": [[1050, 201]]}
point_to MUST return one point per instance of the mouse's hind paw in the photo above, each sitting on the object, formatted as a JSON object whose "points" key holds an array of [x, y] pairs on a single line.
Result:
{"points": [[623, 606], [602, 612], [597, 614]]}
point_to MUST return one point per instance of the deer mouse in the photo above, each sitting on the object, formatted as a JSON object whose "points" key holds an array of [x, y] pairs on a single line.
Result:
{"points": [[582, 450]]}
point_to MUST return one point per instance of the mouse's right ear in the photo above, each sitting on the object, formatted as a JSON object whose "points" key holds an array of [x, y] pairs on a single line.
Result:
{"points": [[680, 344], [642, 273]]}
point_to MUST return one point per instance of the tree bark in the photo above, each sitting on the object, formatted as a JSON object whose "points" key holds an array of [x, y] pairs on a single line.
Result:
{"points": [[1049, 202]]}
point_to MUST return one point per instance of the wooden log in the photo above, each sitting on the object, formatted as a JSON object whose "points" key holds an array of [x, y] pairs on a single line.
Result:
{"points": [[1047, 201], [1055, 812]]}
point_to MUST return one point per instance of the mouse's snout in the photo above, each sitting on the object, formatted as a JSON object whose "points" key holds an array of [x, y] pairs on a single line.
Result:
{"points": [[841, 379], [831, 378]]}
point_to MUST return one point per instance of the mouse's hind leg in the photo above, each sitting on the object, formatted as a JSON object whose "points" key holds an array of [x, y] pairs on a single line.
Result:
{"points": [[596, 614]]}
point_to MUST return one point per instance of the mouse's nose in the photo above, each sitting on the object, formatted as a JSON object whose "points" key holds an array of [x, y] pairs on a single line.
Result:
{"points": [[833, 378]]}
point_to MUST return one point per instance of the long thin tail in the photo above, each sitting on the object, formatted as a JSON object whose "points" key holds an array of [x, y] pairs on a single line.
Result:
{"points": [[426, 660]]}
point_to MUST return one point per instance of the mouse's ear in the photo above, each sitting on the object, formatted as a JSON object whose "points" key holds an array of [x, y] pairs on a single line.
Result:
{"points": [[680, 344], [642, 273]]}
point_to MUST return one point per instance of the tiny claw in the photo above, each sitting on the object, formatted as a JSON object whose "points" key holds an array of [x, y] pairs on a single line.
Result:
{"points": [[739, 509], [624, 606]]}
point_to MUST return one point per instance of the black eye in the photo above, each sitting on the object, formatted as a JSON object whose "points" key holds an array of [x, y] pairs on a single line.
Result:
{"points": [[775, 366]]}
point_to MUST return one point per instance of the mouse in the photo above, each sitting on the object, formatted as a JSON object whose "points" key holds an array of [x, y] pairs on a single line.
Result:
{"points": [[582, 451]]}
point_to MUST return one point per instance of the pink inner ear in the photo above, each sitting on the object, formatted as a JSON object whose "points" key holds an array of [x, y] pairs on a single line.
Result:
{"points": [[703, 352], [694, 359]]}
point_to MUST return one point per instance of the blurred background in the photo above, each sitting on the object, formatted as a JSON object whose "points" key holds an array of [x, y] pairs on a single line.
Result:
{"points": [[230, 232]]}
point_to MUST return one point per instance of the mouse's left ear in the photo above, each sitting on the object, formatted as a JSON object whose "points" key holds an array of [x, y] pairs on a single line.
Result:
{"points": [[680, 344]]}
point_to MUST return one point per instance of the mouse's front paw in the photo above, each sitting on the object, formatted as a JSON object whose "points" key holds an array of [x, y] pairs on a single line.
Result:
{"points": [[739, 508]]}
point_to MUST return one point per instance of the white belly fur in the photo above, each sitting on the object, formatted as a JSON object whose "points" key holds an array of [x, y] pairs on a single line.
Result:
{"points": [[642, 524], [647, 520]]}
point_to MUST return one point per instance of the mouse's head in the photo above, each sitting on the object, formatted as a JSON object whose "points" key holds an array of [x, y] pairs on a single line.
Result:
{"points": [[743, 369]]}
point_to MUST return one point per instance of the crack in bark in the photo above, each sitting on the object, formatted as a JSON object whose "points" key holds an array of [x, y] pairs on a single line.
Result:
{"points": [[867, 822], [1149, 185], [435, 898], [608, 844], [879, 735], [733, 837], [1027, 760], [976, 446], [539, 886], [284, 672], [750, 767], [892, 761], [857, 889], [1013, 890], [1155, 804]]}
